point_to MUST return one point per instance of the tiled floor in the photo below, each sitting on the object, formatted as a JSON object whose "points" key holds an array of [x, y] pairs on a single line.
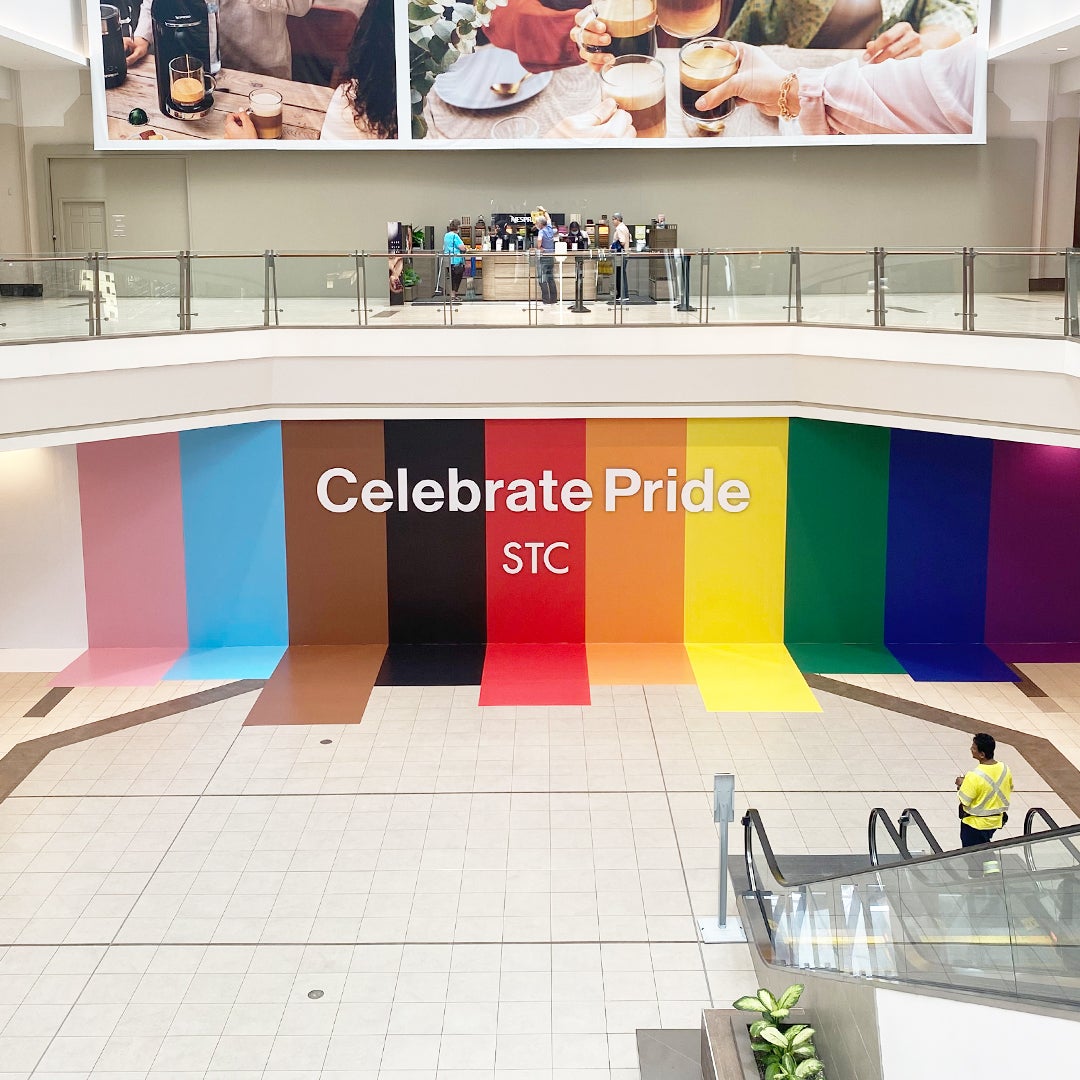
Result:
{"points": [[442, 891]]}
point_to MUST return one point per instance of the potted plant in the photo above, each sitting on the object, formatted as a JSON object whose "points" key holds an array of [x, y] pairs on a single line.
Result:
{"points": [[782, 1050], [439, 35], [409, 280]]}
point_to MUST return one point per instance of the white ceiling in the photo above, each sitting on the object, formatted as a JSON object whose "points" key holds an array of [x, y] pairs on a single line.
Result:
{"points": [[1051, 45], [21, 52]]}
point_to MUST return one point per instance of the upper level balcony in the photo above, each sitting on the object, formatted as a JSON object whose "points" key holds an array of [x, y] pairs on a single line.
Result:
{"points": [[951, 340]]}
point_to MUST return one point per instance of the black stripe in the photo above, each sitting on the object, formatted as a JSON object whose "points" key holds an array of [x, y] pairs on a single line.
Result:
{"points": [[435, 570]]}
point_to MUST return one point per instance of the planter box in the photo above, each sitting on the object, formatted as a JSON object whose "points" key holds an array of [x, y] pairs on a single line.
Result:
{"points": [[725, 1043], [10, 289]]}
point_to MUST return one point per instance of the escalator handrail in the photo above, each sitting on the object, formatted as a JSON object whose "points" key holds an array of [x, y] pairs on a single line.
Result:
{"points": [[878, 816], [752, 823], [908, 815], [1029, 821]]}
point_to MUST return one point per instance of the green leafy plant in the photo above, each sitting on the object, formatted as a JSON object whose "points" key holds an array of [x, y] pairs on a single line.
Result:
{"points": [[418, 239], [783, 1051], [439, 35], [771, 1007], [409, 277]]}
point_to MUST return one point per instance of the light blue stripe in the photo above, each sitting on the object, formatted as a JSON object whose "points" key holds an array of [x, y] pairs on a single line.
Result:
{"points": [[234, 536], [238, 662]]}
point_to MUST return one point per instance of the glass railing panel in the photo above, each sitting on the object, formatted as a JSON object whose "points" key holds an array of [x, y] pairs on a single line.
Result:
{"points": [[230, 292], [140, 294], [1043, 892], [45, 299], [663, 288], [745, 287], [1019, 293], [324, 290], [924, 291], [838, 287], [503, 288]]}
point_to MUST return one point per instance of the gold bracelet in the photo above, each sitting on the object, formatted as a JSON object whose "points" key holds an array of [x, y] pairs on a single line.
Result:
{"points": [[782, 101]]}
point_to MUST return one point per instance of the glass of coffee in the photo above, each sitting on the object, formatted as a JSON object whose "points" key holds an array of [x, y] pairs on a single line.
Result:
{"points": [[703, 64], [187, 83], [688, 18], [264, 107], [636, 84], [631, 24]]}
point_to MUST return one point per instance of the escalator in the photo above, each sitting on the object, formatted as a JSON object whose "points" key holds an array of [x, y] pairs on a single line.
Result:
{"points": [[1002, 919]]}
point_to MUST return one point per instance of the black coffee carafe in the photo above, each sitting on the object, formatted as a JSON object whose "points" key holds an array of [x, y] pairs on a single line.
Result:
{"points": [[181, 28], [113, 56]]}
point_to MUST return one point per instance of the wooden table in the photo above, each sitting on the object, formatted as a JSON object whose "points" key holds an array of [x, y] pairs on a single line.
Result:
{"points": [[576, 89], [305, 105]]}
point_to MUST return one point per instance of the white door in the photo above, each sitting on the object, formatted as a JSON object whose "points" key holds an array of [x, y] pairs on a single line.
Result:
{"points": [[82, 229]]}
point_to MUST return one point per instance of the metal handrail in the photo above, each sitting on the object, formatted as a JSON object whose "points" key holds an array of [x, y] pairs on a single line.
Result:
{"points": [[908, 815], [752, 823], [1029, 821], [878, 816]]}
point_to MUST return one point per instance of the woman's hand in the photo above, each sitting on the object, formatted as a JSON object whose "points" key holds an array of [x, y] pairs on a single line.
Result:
{"points": [[605, 120], [238, 125], [136, 49], [896, 43], [758, 80], [589, 30]]}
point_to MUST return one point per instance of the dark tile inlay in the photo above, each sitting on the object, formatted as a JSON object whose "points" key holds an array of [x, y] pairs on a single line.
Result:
{"points": [[1042, 755], [1036, 693], [21, 760], [50, 701]]}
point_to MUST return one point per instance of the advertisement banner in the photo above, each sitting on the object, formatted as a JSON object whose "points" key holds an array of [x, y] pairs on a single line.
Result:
{"points": [[365, 74]]}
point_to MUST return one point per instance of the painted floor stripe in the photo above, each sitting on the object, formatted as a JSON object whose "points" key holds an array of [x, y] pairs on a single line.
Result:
{"points": [[556, 674], [750, 678]]}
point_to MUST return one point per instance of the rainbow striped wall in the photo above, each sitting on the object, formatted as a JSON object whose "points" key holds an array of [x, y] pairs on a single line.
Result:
{"points": [[208, 555]]}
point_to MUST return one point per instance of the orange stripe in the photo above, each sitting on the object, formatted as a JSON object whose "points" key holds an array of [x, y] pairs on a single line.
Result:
{"points": [[634, 572], [655, 664]]}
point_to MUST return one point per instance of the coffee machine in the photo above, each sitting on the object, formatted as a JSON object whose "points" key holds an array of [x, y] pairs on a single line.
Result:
{"points": [[113, 57], [182, 29]]}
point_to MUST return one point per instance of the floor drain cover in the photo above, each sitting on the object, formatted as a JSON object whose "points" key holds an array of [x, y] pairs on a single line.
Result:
{"points": [[325, 742], [314, 994]]}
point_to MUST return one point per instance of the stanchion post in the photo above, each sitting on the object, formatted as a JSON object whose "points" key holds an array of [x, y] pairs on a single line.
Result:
{"points": [[725, 928]]}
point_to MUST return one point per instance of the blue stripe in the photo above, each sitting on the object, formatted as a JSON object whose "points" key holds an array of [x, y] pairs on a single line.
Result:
{"points": [[939, 526], [234, 536]]}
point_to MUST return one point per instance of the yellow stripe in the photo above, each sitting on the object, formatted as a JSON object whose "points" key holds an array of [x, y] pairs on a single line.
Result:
{"points": [[735, 562], [750, 678]]}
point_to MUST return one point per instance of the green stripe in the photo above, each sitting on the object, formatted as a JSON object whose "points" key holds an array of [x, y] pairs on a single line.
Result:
{"points": [[837, 514]]}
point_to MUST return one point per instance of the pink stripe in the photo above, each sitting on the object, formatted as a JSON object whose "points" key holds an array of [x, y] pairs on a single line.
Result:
{"points": [[133, 542], [118, 667], [556, 674]]}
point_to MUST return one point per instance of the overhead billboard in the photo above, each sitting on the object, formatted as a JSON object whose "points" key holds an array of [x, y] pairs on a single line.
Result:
{"points": [[369, 74]]}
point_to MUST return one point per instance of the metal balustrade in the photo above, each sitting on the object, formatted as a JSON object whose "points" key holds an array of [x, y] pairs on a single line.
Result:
{"points": [[962, 290]]}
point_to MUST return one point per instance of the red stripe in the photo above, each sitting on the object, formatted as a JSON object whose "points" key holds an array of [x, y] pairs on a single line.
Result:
{"points": [[535, 675], [544, 606]]}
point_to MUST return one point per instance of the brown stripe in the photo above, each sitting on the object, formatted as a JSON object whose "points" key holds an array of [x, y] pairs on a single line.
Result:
{"points": [[50, 701], [1060, 774], [337, 562], [319, 684], [21, 760]]}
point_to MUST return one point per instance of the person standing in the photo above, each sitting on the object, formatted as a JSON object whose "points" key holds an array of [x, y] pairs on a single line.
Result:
{"points": [[620, 243], [984, 794], [453, 246], [545, 244]]}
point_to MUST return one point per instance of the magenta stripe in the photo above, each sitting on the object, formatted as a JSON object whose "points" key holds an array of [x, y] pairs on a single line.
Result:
{"points": [[133, 542], [1033, 577]]}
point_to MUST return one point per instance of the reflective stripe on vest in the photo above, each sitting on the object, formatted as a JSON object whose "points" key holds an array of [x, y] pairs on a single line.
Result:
{"points": [[978, 809]]}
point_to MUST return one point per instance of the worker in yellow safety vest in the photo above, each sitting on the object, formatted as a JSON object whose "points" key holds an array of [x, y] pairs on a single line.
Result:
{"points": [[984, 794]]}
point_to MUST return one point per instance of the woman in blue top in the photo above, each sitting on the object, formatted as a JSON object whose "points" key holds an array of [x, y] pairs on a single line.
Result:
{"points": [[453, 245]]}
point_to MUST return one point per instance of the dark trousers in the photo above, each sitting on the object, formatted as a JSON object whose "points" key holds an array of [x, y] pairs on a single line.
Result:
{"points": [[546, 276], [622, 288], [972, 837], [456, 274]]}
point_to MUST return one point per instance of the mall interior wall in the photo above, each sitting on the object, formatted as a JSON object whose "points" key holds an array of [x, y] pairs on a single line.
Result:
{"points": [[234, 200]]}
